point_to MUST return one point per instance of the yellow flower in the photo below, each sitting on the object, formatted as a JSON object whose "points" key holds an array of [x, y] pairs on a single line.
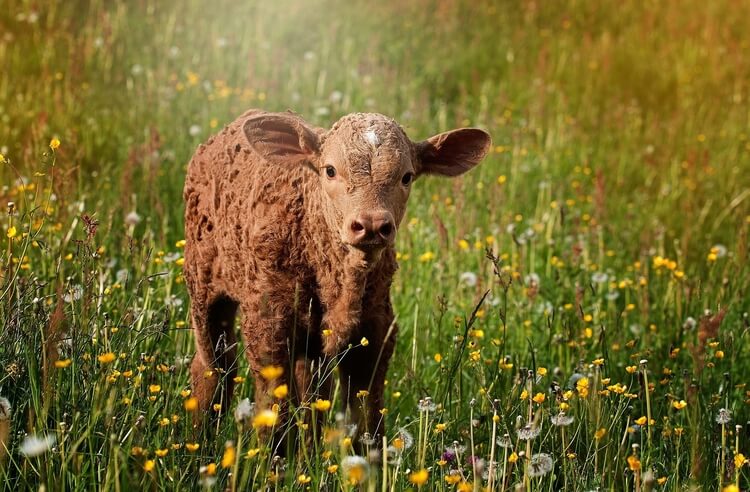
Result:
{"points": [[438, 358], [719, 354], [634, 463], [266, 418], [161, 452], [322, 405], [281, 391], [641, 421], [364, 342], [154, 388], [631, 369], [211, 469], [731, 488], [452, 479], [217, 407], [252, 453], [600, 433], [303, 479], [541, 371], [180, 243], [11, 232], [149, 464], [332, 468], [2, 158], [63, 363], [192, 446], [269, 373], [463, 244], [229, 456], [427, 256], [54, 143], [679, 405], [513, 457], [598, 362], [191, 404], [107, 358], [524, 394], [419, 478], [539, 398], [582, 385], [739, 460]]}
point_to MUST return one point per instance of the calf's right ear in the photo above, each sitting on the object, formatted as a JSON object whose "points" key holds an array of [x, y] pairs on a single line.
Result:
{"points": [[281, 139]]}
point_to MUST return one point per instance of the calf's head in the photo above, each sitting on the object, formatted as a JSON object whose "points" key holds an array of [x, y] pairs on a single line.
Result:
{"points": [[366, 166]]}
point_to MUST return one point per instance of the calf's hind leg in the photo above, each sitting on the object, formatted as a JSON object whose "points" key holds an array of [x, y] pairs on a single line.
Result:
{"points": [[215, 363]]}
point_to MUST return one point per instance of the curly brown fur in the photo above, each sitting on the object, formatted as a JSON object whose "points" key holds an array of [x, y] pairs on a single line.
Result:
{"points": [[307, 257]]}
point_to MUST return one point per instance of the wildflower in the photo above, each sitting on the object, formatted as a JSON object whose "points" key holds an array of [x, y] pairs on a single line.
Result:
{"points": [[419, 478], [540, 464], [529, 432], [191, 404], [106, 358], [149, 465], [132, 219], [601, 432], [154, 388], [453, 477], [230, 453], [582, 386], [161, 452], [724, 416], [739, 460], [731, 488], [322, 405], [468, 278], [355, 469], [561, 419], [11, 232], [63, 363], [634, 463], [252, 453], [281, 391], [54, 144], [266, 418], [599, 278], [679, 405], [513, 457], [364, 342], [2, 158], [407, 440], [426, 405], [34, 445], [427, 256], [243, 411], [303, 479], [192, 447], [332, 468], [539, 398], [269, 373]]}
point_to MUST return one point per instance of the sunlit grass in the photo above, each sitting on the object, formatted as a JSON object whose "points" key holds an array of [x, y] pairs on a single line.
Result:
{"points": [[573, 313]]}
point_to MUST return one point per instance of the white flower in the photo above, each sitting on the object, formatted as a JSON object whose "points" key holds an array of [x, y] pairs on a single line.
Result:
{"points": [[561, 420], [33, 445], [322, 111], [73, 294], [599, 277], [243, 411], [532, 279], [132, 218], [336, 96], [540, 464], [529, 432], [724, 416], [194, 130], [468, 278], [719, 250], [426, 405]]}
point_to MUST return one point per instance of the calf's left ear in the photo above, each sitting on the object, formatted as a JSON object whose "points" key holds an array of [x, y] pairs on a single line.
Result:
{"points": [[452, 153]]}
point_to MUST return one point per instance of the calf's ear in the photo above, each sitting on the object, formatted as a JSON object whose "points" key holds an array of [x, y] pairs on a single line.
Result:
{"points": [[281, 138], [452, 153]]}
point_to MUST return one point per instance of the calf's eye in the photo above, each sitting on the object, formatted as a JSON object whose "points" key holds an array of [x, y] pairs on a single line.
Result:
{"points": [[330, 171], [407, 179]]}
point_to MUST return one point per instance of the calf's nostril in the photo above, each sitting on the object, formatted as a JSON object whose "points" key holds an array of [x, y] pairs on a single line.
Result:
{"points": [[386, 229], [357, 226]]}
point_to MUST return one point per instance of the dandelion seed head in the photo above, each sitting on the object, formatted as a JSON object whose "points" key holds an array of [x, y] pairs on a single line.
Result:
{"points": [[540, 464], [529, 432], [561, 419], [724, 416], [34, 445]]}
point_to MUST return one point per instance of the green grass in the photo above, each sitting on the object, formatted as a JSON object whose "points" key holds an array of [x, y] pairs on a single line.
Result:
{"points": [[621, 159]]}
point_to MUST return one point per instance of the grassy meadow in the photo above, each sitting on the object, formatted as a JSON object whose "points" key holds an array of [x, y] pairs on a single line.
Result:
{"points": [[573, 313]]}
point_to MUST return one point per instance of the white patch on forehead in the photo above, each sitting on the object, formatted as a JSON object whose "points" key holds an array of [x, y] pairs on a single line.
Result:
{"points": [[372, 138]]}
